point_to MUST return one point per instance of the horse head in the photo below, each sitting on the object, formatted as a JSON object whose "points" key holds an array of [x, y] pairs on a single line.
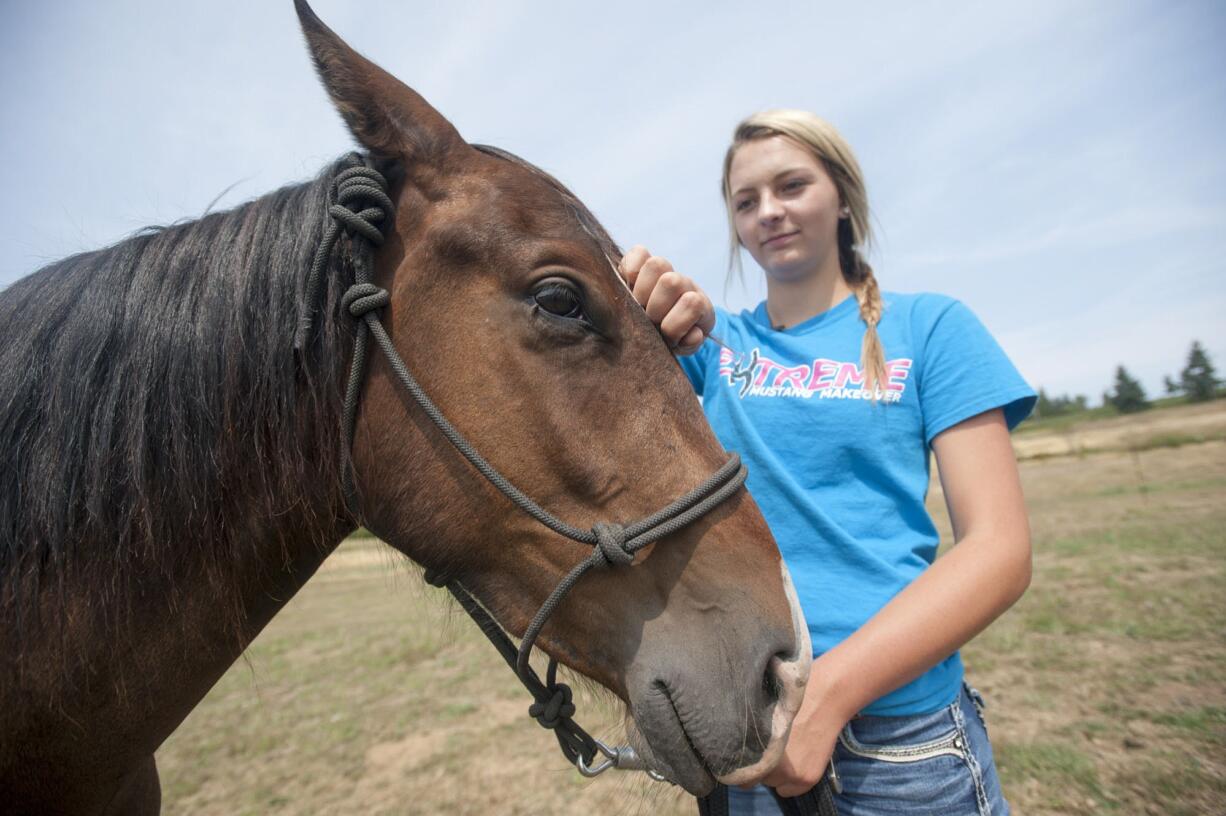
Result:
{"points": [[505, 305]]}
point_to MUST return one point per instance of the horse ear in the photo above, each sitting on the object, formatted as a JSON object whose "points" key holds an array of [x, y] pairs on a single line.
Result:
{"points": [[386, 116]]}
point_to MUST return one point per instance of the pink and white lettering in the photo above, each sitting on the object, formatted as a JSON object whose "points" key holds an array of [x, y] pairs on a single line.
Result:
{"points": [[756, 375]]}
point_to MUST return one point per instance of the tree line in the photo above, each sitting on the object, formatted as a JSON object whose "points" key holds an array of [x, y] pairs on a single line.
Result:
{"points": [[1197, 382]]}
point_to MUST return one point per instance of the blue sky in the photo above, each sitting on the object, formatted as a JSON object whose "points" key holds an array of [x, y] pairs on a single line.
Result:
{"points": [[1059, 166]]}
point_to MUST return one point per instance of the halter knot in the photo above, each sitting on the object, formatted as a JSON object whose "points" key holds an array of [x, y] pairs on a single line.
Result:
{"points": [[557, 708], [611, 544], [361, 202], [364, 297]]}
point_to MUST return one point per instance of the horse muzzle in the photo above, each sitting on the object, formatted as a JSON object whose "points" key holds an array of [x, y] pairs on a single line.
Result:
{"points": [[717, 710]]}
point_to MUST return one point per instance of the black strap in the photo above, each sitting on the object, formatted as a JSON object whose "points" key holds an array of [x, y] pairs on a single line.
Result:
{"points": [[816, 802], [714, 803]]}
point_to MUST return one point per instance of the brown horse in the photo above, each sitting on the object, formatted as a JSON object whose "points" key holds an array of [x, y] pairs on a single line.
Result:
{"points": [[171, 467]]}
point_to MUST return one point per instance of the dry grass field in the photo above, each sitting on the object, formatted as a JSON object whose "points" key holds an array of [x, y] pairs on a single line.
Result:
{"points": [[1106, 684]]}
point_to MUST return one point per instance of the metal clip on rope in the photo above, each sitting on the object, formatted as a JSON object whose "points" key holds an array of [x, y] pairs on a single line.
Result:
{"points": [[621, 758]]}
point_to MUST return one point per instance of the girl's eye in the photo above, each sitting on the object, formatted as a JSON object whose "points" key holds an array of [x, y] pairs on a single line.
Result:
{"points": [[744, 204], [793, 185], [559, 299]]}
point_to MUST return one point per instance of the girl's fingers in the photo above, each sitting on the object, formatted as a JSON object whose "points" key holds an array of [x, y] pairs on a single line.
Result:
{"points": [[631, 263], [667, 290], [691, 342], [673, 302], [680, 306], [645, 282]]}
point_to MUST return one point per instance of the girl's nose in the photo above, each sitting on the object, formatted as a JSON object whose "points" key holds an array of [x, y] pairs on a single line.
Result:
{"points": [[769, 210]]}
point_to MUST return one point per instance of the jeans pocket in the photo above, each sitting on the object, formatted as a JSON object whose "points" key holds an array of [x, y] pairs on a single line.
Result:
{"points": [[910, 764], [937, 736]]}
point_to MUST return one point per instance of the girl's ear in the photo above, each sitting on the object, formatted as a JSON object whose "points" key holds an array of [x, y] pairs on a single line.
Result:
{"points": [[386, 116]]}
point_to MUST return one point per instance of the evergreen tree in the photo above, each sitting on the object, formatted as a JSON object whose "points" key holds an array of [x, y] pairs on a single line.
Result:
{"points": [[1128, 396], [1198, 378], [1172, 387]]}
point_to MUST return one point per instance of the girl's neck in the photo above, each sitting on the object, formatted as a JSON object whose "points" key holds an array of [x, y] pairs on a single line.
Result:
{"points": [[791, 302]]}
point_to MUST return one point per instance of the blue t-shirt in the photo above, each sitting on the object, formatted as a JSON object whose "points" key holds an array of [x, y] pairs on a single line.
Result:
{"points": [[841, 479]]}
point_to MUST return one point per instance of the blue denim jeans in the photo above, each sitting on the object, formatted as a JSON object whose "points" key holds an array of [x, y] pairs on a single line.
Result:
{"points": [[938, 763]]}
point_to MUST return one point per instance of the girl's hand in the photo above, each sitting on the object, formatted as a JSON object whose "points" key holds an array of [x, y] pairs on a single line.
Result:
{"points": [[815, 730], [681, 311], [805, 759]]}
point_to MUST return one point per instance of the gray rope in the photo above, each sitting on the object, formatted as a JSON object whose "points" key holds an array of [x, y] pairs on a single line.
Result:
{"points": [[359, 184], [625, 542], [360, 204]]}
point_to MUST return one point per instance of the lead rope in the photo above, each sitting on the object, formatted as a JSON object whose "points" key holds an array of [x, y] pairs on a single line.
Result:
{"points": [[359, 204]]}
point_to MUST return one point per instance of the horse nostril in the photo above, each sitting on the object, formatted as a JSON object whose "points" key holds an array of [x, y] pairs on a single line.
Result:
{"points": [[772, 687]]}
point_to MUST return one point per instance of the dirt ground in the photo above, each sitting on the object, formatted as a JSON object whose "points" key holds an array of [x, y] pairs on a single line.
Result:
{"points": [[1106, 684]]}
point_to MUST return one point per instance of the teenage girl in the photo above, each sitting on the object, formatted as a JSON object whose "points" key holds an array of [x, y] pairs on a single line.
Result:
{"points": [[834, 393]]}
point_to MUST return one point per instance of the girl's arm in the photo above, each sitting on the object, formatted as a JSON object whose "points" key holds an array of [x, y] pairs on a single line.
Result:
{"points": [[967, 588]]}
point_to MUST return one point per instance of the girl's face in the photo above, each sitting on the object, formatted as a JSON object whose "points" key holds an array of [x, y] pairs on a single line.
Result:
{"points": [[785, 207]]}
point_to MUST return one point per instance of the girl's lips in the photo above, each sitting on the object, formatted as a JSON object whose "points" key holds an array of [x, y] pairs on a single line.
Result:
{"points": [[779, 239]]}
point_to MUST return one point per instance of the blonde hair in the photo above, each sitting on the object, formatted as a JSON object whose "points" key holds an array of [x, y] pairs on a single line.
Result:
{"points": [[821, 139]]}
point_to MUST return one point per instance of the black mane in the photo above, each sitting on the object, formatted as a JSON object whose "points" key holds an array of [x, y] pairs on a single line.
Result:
{"points": [[152, 408]]}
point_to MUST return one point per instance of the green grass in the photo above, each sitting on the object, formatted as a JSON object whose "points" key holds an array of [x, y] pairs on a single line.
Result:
{"points": [[1193, 722], [1068, 775], [1064, 422], [1207, 721], [1178, 440]]}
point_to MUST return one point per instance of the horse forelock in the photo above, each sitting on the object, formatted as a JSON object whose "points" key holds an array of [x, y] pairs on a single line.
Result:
{"points": [[152, 411]]}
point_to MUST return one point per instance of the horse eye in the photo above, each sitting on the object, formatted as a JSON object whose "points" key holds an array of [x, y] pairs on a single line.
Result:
{"points": [[559, 300]]}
